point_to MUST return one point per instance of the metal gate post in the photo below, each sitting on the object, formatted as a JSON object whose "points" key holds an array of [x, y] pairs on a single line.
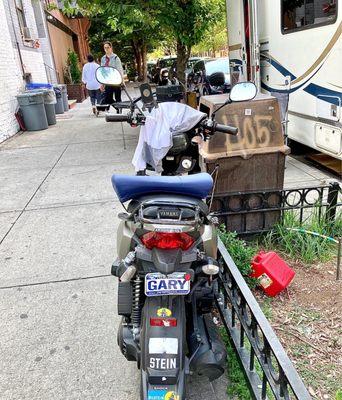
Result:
{"points": [[332, 201]]}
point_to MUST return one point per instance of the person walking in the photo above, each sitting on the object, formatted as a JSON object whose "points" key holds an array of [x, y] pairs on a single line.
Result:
{"points": [[89, 79], [110, 59]]}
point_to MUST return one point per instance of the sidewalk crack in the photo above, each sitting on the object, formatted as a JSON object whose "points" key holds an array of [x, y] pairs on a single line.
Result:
{"points": [[35, 192], [55, 281]]}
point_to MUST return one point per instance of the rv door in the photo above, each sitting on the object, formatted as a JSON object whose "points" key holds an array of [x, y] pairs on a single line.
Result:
{"points": [[243, 40]]}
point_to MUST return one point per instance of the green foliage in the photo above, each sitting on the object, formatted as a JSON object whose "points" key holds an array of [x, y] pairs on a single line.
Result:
{"points": [[214, 39], [147, 23], [188, 20], [237, 387], [339, 394], [241, 252], [73, 67], [300, 245]]}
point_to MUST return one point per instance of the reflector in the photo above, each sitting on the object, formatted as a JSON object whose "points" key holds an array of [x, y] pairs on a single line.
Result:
{"points": [[172, 322]]}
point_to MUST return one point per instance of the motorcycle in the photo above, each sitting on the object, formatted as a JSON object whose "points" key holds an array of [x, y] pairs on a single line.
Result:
{"points": [[167, 271], [182, 153]]}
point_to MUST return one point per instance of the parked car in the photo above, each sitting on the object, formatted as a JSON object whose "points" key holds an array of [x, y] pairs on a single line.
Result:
{"points": [[189, 66], [162, 68], [198, 78]]}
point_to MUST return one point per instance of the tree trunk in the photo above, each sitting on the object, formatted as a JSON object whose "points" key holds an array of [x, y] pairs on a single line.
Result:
{"points": [[183, 54], [137, 56], [140, 54], [144, 62]]}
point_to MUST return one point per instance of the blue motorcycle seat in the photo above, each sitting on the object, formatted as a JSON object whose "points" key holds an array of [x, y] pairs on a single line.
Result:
{"points": [[129, 187]]}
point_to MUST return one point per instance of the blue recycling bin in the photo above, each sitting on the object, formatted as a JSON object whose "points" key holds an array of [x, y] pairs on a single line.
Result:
{"points": [[35, 85]]}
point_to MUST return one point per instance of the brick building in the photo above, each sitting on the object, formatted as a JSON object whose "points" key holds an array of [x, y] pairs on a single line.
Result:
{"points": [[34, 41], [22, 58], [66, 33]]}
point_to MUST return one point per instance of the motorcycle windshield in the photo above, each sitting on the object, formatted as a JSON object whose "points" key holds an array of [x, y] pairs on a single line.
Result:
{"points": [[155, 139]]}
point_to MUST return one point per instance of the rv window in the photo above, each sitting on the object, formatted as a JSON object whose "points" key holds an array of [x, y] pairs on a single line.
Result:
{"points": [[305, 14]]}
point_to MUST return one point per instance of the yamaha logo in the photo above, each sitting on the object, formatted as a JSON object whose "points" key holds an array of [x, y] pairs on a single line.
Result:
{"points": [[169, 213]]}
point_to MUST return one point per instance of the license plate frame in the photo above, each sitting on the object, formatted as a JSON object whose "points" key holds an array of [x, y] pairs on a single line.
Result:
{"points": [[175, 284]]}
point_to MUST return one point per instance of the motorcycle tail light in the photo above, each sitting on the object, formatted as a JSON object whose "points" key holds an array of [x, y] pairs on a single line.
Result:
{"points": [[167, 322], [167, 241]]}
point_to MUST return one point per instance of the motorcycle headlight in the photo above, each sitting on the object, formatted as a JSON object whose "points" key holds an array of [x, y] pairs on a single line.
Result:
{"points": [[186, 163]]}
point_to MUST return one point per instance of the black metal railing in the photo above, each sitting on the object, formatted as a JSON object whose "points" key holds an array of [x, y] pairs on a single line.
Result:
{"points": [[268, 370], [257, 212]]}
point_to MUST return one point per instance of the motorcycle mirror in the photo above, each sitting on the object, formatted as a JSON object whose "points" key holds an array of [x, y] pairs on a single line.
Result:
{"points": [[146, 93], [216, 79], [109, 76], [243, 91]]}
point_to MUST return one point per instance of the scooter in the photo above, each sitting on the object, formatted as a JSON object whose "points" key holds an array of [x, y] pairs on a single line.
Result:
{"points": [[182, 156], [167, 276]]}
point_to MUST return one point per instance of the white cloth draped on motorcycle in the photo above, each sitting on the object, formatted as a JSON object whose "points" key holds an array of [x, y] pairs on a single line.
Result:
{"points": [[155, 139]]}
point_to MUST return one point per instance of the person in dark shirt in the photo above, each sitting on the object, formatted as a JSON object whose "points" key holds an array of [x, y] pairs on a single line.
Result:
{"points": [[110, 59]]}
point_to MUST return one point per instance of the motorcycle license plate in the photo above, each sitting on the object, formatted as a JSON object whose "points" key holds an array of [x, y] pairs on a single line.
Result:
{"points": [[157, 284]]}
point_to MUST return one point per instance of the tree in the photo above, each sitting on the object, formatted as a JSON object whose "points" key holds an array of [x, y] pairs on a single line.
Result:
{"points": [[133, 21], [214, 40], [147, 22], [187, 21]]}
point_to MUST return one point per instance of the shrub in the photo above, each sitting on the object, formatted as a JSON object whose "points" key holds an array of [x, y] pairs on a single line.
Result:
{"points": [[73, 67], [241, 252]]}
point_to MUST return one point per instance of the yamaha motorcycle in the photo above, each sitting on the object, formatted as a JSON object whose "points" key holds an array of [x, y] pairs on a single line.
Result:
{"points": [[167, 270], [182, 156]]}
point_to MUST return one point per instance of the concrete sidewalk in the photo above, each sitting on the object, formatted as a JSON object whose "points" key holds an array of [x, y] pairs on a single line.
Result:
{"points": [[58, 220]]}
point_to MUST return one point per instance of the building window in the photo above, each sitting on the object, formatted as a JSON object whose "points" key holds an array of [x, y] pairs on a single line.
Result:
{"points": [[306, 14], [22, 21]]}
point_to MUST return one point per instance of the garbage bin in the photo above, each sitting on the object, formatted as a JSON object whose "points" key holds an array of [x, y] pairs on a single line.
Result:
{"points": [[36, 85], [64, 96], [33, 111], [49, 103], [59, 106]]}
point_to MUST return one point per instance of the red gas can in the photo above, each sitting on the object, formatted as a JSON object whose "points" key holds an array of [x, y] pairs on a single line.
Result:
{"points": [[273, 273]]}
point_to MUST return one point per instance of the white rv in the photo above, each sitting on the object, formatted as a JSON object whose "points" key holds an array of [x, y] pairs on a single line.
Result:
{"points": [[294, 47]]}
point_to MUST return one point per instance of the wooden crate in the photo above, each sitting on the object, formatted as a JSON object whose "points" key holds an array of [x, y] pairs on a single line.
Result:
{"points": [[252, 161]]}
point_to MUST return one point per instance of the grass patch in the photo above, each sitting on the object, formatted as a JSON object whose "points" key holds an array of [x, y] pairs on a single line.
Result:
{"points": [[319, 379], [266, 307], [237, 386], [293, 245], [303, 246]]}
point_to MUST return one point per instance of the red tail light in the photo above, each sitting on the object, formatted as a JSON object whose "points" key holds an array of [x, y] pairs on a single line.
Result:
{"points": [[163, 240]]}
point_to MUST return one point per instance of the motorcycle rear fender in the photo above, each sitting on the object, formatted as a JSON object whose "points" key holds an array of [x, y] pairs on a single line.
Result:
{"points": [[125, 235], [172, 367]]}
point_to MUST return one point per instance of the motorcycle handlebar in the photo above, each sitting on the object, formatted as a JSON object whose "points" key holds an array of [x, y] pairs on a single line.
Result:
{"points": [[230, 130], [116, 118]]}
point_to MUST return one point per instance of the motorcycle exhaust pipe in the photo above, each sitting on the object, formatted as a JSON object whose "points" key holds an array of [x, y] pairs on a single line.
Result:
{"points": [[208, 355]]}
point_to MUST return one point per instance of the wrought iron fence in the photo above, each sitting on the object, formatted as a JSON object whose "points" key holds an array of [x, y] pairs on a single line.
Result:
{"points": [[257, 212], [268, 370]]}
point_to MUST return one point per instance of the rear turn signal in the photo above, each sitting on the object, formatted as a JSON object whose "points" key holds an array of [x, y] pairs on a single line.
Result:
{"points": [[164, 240]]}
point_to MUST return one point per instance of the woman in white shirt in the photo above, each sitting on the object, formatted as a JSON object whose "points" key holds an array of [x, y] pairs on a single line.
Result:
{"points": [[89, 79]]}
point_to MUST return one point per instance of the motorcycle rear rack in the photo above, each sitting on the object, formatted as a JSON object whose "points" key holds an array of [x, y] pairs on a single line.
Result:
{"points": [[168, 221]]}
